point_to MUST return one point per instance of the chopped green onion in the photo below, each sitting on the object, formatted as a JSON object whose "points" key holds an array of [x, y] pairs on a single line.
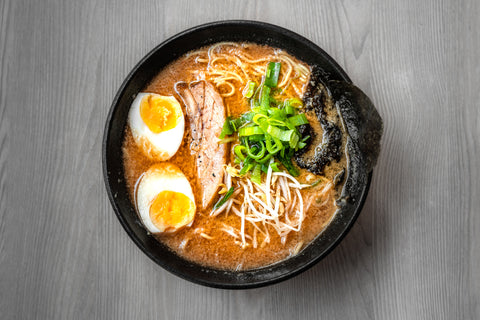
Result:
{"points": [[260, 154], [227, 128], [278, 143], [294, 102], [274, 166], [274, 131], [275, 122], [268, 133], [277, 114], [265, 159], [301, 145], [305, 138], [262, 123], [235, 124], [246, 168], [264, 167], [248, 160], [256, 174], [256, 138], [270, 148], [283, 135], [298, 120], [239, 150], [287, 163], [250, 91], [265, 99], [294, 140], [290, 110], [247, 117], [259, 117], [222, 201], [272, 74], [249, 131]]}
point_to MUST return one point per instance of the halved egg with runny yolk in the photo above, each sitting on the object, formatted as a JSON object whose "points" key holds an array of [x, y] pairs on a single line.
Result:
{"points": [[164, 199], [157, 124]]}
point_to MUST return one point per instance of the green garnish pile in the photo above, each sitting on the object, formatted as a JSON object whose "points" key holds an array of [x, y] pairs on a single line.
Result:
{"points": [[268, 133]]}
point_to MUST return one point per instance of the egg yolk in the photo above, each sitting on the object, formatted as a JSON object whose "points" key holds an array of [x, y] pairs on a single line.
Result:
{"points": [[158, 113], [171, 209]]}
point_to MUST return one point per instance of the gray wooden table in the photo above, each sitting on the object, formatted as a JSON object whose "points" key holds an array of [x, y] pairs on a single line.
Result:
{"points": [[414, 252]]}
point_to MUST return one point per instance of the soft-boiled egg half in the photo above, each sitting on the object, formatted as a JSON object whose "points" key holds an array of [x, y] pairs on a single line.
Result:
{"points": [[157, 124], [164, 199]]}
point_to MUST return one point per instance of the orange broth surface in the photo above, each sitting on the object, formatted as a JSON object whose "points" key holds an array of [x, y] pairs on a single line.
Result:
{"points": [[204, 242]]}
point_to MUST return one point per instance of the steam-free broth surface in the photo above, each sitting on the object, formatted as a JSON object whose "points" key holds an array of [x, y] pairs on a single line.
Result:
{"points": [[205, 241]]}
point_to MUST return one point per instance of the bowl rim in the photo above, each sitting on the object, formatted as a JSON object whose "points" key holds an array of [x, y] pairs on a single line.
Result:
{"points": [[118, 212]]}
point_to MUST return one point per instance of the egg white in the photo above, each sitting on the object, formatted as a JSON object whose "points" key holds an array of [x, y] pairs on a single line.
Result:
{"points": [[158, 146], [158, 178]]}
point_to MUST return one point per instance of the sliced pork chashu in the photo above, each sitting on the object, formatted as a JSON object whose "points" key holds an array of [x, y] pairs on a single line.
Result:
{"points": [[206, 115]]}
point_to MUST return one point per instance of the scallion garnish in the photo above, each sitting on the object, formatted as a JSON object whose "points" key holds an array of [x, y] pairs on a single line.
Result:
{"points": [[257, 174], [227, 128], [249, 131], [268, 132], [222, 201], [274, 167], [272, 74], [239, 151], [265, 99], [298, 120], [250, 90]]}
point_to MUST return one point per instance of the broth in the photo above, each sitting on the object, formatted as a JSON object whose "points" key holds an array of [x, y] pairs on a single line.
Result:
{"points": [[205, 241]]}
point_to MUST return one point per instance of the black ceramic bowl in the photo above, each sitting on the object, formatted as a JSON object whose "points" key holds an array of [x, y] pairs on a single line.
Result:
{"points": [[113, 170]]}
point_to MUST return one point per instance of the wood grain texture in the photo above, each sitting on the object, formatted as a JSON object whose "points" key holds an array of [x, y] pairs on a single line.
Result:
{"points": [[4, 126], [414, 252]]}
